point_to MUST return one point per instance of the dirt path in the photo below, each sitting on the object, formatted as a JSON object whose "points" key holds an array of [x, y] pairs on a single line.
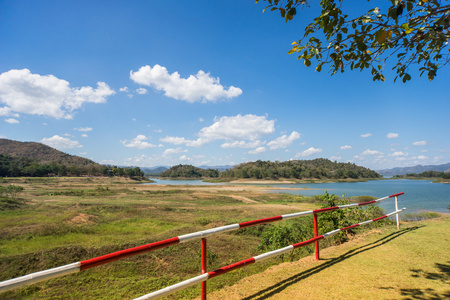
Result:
{"points": [[387, 264], [243, 199]]}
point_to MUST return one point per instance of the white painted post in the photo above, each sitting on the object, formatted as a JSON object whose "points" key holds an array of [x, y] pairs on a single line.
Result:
{"points": [[396, 208]]}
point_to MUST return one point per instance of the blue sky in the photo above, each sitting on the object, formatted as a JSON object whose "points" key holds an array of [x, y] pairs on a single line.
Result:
{"points": [[151, 83]]}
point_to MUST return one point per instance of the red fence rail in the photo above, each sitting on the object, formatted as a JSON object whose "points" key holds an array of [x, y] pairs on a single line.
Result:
{"points": [[97, 261]]}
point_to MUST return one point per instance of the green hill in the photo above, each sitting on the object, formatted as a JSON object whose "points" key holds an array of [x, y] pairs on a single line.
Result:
{"points": [[294, 169], [40, 153], [320, 168], [32, 159]]}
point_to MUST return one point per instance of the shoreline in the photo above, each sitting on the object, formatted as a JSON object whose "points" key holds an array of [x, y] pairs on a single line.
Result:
{"points": [[269, 181]]}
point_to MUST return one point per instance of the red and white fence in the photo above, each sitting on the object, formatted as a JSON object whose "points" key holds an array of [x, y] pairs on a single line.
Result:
{"points": [[202, 278], [97, 261]]}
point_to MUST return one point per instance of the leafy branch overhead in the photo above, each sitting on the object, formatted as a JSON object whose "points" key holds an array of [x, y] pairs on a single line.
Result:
{"points": [[410, 33]]}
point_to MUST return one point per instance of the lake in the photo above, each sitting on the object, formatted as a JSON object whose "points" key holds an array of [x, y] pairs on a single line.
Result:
{"points": [[420, 195]]}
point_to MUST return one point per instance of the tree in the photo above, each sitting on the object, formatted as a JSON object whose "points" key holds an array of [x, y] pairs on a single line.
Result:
{"points": [[410, 32]]}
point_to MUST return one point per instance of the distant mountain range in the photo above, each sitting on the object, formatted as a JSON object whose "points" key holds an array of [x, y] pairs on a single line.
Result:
{"points": [[159, 169], [415, 169], [155, 170], [40, 153]]}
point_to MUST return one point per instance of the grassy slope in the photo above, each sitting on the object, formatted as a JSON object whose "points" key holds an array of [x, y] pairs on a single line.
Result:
{"points": [[412, 263]]}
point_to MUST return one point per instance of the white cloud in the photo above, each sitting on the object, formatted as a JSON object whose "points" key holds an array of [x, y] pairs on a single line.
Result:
{"points": [[333, 158], [398, 153], [60, 142], [157, 130], [139, 142], [84, 129], [283, 141], [181, 140], [346, 147], [242, 144], [257, 150], [11, 121], [24, 92], [247, 127], [420, 143], [184, 158], [201, 119], [84, 135], [171, 151], [309, 152], [236, 128], [392, 135], [366, 135], [7, 112], [141, 91], [371, 152], [421, 157], [199, 87], [124, 89]]}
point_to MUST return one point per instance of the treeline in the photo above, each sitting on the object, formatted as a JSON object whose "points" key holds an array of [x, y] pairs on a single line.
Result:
{"points": [[426, 174], [295, 169], [320, 168], [26, 167], [188, 171]]}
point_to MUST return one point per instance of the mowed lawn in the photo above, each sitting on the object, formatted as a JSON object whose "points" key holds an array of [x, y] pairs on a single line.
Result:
{"points": [[410, 263]]}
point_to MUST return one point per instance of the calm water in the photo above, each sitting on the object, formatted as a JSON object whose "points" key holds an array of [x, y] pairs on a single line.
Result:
{"points": [[420, 195]]}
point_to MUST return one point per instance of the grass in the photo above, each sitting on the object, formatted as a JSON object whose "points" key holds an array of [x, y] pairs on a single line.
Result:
{"points": [[412, 263], [65, 220]]}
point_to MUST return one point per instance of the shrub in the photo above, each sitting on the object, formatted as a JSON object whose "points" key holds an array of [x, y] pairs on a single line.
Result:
{"points": [[10, 192]]}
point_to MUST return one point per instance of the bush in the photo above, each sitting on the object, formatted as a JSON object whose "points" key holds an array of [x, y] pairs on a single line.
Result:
{"points": [[10, 192], [295, 231], [276, 237]]}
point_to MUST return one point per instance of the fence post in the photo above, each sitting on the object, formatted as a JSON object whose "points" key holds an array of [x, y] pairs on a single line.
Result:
{"points": [[316, 234], [396, 208], [203, 267]]}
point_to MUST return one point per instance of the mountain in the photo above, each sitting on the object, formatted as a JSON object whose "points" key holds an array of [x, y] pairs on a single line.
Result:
{"points": [[218, 168], [415, 169], [41, 153], [155, 170]]}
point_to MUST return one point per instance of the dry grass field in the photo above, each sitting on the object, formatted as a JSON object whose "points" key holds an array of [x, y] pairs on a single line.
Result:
{"points": [[57, 221]]}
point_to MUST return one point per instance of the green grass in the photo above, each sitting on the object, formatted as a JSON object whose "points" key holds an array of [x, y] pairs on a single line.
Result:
{"points": [[65, 220], [410, 263]]}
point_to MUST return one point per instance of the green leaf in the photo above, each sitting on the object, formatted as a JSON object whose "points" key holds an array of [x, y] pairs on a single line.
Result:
{"points": [[307, 62], [319, 68], [406, 77]]}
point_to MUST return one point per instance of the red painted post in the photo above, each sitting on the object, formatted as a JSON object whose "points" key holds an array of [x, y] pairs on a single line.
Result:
{"points": [[203, 268], [316, 234], [396, 208]]}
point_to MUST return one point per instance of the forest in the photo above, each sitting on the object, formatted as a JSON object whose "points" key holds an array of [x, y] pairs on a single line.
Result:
{"points": [[188, 171], [295, 169], [27, 167], [426, 174]]}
